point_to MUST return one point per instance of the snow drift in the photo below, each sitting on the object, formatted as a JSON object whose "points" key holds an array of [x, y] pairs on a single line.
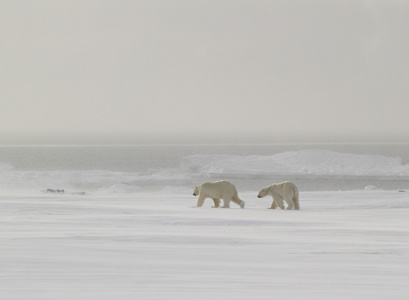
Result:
{"points": [[305, 162], [196, 168]]}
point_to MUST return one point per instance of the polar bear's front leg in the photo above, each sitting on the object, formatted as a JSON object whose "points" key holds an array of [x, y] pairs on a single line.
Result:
{"points": [[273, 205], [226, 203], [200, 201], [279, 201], [216, 203]]}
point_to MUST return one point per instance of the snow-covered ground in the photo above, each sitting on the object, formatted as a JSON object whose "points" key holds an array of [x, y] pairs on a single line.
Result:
{"points": [[340, 245]]}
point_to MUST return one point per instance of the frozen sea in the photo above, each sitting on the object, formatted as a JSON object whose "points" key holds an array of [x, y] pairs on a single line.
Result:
{"points": [[152, 168], [126, 225]]}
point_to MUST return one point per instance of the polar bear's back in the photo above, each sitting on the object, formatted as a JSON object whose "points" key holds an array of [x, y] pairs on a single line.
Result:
{"points": [[288, 185], [218, 189]]}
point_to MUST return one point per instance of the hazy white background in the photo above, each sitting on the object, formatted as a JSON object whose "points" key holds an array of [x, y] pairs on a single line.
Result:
{"points": [[213, 71]]}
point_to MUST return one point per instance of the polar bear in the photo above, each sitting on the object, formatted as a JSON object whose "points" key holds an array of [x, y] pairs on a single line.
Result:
{"points": [[218, 190], [282, 191]]}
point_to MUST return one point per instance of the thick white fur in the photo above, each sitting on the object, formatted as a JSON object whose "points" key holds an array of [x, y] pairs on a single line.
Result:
{"points": [[286, 191], [218, 190]]}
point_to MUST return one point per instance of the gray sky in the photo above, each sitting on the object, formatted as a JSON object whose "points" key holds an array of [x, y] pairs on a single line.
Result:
{"points": [[204, 71]]}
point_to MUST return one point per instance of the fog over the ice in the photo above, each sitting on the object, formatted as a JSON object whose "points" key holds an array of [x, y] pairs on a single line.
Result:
{"points": [[204, 71]]}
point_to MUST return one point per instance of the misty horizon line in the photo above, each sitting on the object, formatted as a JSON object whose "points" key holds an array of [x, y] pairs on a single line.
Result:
{"points": [[132, 140]]}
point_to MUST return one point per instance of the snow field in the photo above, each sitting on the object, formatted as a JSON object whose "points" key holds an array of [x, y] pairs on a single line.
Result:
{"points": [[340, 245]]}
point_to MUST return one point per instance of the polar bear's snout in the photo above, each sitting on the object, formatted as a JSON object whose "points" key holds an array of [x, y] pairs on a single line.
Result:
{"points": [[262, 193]]}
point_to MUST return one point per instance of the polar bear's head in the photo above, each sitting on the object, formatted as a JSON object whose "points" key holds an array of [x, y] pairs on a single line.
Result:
{"points": [[196, 191], [264, 192]]}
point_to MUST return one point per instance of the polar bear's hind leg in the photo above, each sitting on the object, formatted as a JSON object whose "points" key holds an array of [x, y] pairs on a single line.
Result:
{"points": [[238, 201], [290, 203], [296, 201]]}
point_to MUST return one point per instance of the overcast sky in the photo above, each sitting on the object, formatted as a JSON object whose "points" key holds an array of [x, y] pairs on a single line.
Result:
{"points": [[204, 71]]}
